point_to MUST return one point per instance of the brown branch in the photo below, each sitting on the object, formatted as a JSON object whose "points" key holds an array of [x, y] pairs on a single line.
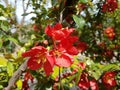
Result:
{"points": [[24, 10], [61, 16], [15, 76]]}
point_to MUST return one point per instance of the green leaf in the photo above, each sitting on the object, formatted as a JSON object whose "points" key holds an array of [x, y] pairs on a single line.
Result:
{"points": [[83, 1], [10, 68], [66, 87], [3, 77], [90, 62], [56, 72], [80, 22], [110, 67], [78, 76], [1, 87], [4, 27], [1, 42], [53, 2], [19, 84], [13, 40], [3, 62], [25, 14], [96, 74], [2, 7]]}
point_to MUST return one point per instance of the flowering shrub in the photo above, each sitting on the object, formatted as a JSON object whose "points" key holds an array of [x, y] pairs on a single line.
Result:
{"points": [[72, 44]]}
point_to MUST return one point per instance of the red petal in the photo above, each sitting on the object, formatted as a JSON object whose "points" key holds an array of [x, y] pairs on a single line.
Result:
{"points": [[33, 64], [72, 39], [58, 35], [72, 50], [35, 50], [109, 78], [67, 31], [65, 43], [82, 46], [82, 65], [48, 30], [49, 64], [94, 85], [84, 83], [58, 26], [65, 60]]}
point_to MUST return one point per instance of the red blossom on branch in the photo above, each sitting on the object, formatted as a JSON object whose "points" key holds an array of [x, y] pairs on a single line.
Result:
{"points": [[109, 31], [86, 84], [82, 46], [61, 54], [110, 6], [109, 79], [38, 58], [57, 32]]}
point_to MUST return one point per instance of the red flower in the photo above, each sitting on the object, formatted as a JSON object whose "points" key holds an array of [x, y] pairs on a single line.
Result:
{"points": [[67, 45], [110, 33], [82, 46], [109, 53], [84, 83], [94, 85], [28, 76], [25, 85], [109, 79], [109, 6], [82, 65], [57, 32], [38, 58], [64, 60]]}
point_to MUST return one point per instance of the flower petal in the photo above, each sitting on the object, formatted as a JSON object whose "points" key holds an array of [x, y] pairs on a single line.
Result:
{"points": [[35, 50], [49, 64], [65, 60], [94, 85], [58, 35], [33, 64], [58, 26], [48, 30], [72, 50]]}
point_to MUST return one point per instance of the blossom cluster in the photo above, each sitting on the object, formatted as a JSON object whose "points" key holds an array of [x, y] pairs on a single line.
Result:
{"points": [[110, 6], [110, 33], [61, 53]]}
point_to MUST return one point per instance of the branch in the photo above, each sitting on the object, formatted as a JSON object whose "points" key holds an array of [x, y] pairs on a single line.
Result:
{"points": [[16, 75], [61, 16], [24, 10]]}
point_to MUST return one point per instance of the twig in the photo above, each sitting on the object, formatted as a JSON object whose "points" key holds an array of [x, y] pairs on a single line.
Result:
{"points": [[15, 76], [24, 10], [61, 16]]}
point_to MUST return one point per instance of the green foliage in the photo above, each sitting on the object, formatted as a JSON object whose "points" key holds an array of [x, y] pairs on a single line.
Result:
{"points": [[101, 55], [80, 22], [19, 84], [10, 68], [83, 1], [3, 62]]}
